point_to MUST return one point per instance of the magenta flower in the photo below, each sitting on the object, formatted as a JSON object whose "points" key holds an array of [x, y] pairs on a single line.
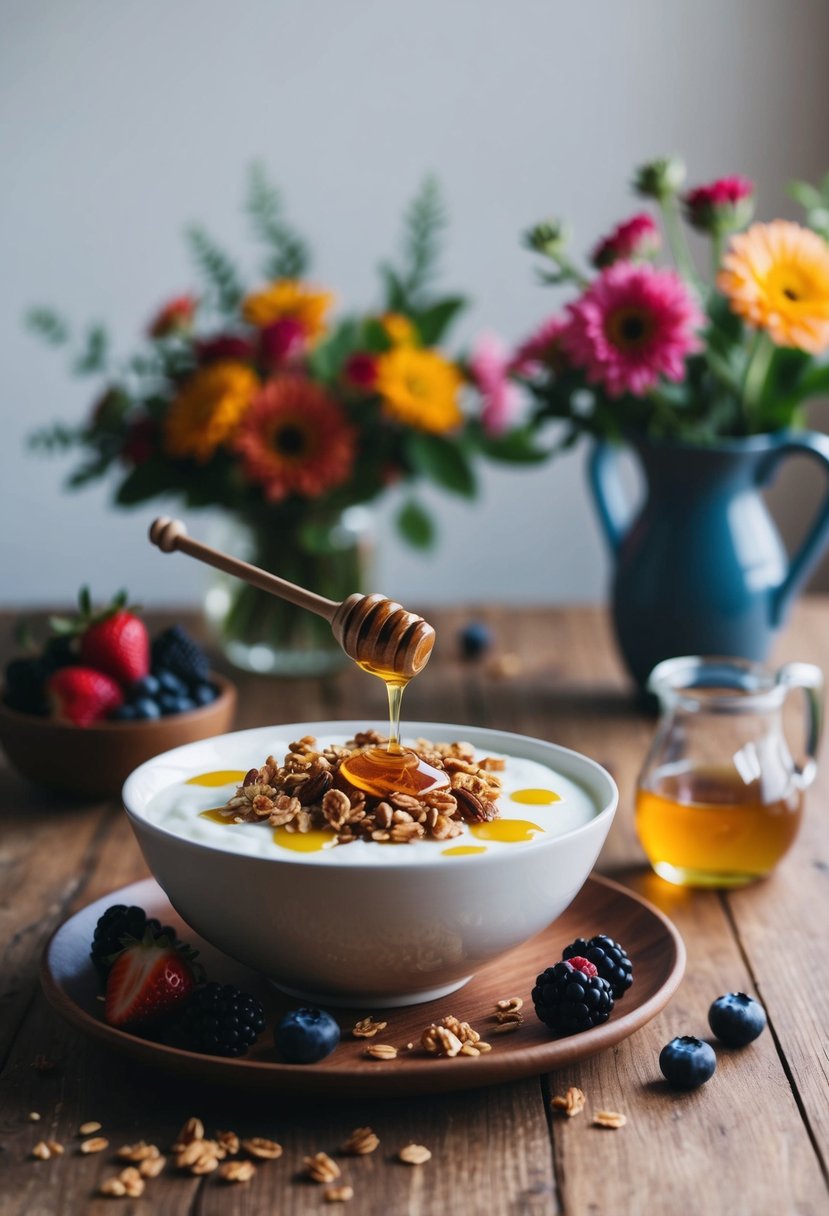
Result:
{"points": [[541, 349], [722, 205], [283, 342], [225, 346], [631, 326], [637, 237], [360, 369], [489, 367]]}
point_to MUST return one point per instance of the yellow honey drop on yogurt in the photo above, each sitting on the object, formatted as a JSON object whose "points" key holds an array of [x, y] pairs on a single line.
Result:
{"points": [[229, 776], [463, 850], [217, 815], [508, 831], [303, 842], [535, 797]]}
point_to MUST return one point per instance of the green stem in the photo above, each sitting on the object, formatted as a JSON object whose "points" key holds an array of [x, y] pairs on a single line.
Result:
{"points": [[757, 371], [716, 255], [677, 240]]}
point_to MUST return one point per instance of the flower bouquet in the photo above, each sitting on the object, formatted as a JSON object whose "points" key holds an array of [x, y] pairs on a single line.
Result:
{"points": [[258, 402], [706, 377]]}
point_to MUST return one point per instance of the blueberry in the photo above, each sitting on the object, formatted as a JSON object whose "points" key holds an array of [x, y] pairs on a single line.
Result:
{"points": [[171, 683], [146, 707], [736, 1019], [124, 713], [306, 1035], [687, 1062], [148, 686], [474, 640], [175, 703], [203, 694]]}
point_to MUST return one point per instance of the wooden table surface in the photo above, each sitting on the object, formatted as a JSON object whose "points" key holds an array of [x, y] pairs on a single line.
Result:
{"points": [[754, 1141]]}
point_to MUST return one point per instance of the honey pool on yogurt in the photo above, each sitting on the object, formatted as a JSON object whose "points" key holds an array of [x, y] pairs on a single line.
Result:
{"points": [[536, 803]]}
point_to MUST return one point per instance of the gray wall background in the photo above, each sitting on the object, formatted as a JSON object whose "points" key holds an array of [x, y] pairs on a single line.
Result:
{"points": [[122, 121]]}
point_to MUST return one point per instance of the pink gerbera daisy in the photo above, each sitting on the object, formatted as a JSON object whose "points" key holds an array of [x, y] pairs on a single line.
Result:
{"points": [[633, 325], [541, 349], [489, 366], [629, 241]]}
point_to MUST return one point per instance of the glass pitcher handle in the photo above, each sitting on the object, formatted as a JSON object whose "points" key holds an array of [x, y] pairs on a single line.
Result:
{"points": [[809, 680]]}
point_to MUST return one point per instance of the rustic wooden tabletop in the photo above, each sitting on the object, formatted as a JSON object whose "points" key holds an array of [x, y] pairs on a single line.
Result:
{"points": [[754, 1141]]}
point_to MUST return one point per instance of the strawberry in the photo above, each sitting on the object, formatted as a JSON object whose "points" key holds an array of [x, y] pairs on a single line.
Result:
{"points": [[82, 696], [119, 645], [148, 980]]}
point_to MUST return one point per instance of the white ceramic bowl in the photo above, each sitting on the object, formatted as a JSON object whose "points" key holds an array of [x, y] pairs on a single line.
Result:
{"points": [[367, 935]]}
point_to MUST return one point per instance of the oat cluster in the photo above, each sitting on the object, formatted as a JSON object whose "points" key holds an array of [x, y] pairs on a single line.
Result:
{"points": [[307, 791]]}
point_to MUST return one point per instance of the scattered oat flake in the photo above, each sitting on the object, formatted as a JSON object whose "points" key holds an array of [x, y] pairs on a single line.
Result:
{"points": [[96, 1144], [151, 1167], [112, 1188], [54, 1148], [87, 1129], [609, 1118], [237, 1171], [361, 1141], [414, 1154], [41, 1151], [338, 1194], [381, 1051], [366, 1028], [33, 1116], [506, 1027], [258, 1146], [571, 1104], [137, 1152]]}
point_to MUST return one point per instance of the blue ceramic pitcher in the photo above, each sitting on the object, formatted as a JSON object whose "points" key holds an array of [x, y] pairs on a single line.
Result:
{"points": [[701, 568]]}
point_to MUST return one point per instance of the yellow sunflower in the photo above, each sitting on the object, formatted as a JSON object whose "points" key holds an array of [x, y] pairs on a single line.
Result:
{"points": [[208, 409], [419, 388], [289, 299], [776, 276]]}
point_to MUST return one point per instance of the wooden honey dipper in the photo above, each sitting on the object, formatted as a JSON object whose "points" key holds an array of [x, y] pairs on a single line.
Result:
{"points": [[373, 631]]}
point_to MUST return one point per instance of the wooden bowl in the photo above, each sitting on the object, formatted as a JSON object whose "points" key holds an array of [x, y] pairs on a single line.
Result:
{"points": [[95, 761]]}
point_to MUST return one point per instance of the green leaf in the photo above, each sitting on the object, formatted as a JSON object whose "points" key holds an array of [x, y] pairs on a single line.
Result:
{"points": [[93, 355], [442, 461], [424, 222], [433, 322], [143, 482], [395, 292], [515, 447], [88, 473], [290, 256], [85, 601], [808, 196], [47, 324], [415, 525], [217, 270]]}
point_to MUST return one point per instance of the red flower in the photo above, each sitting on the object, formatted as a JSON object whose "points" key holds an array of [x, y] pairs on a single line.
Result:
{"points": [[141, 442], [225, 346], [360, 370], [720, 206], [175, 317], [283, 342], [637, 237]]}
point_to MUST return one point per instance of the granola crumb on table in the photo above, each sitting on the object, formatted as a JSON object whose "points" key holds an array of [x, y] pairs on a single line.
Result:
{"points": [[306, 792]]}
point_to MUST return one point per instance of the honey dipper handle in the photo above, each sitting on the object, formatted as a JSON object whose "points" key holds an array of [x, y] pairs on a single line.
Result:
{"points": [[171, 534]]}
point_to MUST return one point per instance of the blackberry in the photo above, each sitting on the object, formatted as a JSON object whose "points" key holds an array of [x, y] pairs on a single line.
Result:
{"points": [[174, 650], [26, 686], [118, 925], [569, 1000], [221, 1020], [609, 959]]}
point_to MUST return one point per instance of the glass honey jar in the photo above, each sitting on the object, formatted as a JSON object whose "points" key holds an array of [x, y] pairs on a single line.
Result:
{"points": [[720, 798]]}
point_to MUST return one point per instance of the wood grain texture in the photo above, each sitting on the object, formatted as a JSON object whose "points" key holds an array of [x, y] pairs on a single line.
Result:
{"points": [[752, 1142]]}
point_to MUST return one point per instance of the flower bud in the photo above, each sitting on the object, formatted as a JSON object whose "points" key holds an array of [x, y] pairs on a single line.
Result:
{"points": [[659, 179], [721, 206], [550, 237]]}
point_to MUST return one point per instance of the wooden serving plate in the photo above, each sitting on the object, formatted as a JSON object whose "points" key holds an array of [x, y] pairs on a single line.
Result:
{"points": [[654, 945]]}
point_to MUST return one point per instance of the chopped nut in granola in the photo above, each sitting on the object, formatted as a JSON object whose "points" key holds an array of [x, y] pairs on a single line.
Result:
{"points": [[151, 1167], [192, 1130], [367, 1028], [137, 1152], [414, 1154], [361, 1141], [510, 1004], [229, 1141], [89, 1129], [321, 1168], [96, 1144], [571, 1104], [237, 1171], [41, 1151], [338, 1194], [132, 1181], [54, 1148], [609, 1118], [439, 1041], [112, 1188]]}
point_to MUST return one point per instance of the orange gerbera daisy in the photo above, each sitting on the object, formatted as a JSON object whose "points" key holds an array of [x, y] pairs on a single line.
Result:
{"points": [[419, 388], [295, 440], [288, 299], [777, 277], [208, 408]]}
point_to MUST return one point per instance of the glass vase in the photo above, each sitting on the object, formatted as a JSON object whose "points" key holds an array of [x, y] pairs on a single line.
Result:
{"points": [[258, 632]]}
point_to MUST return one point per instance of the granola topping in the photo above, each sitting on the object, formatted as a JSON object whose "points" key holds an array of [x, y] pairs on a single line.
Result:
{"points": [[609, 1118], [367, 1028], [571, 1104], [321, 1168], [414, 1154], [361, 1142]]}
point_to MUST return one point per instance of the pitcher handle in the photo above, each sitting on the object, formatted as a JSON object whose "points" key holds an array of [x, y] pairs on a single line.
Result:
{"points": [[809, 680], [609, 492], [803, 443]]}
